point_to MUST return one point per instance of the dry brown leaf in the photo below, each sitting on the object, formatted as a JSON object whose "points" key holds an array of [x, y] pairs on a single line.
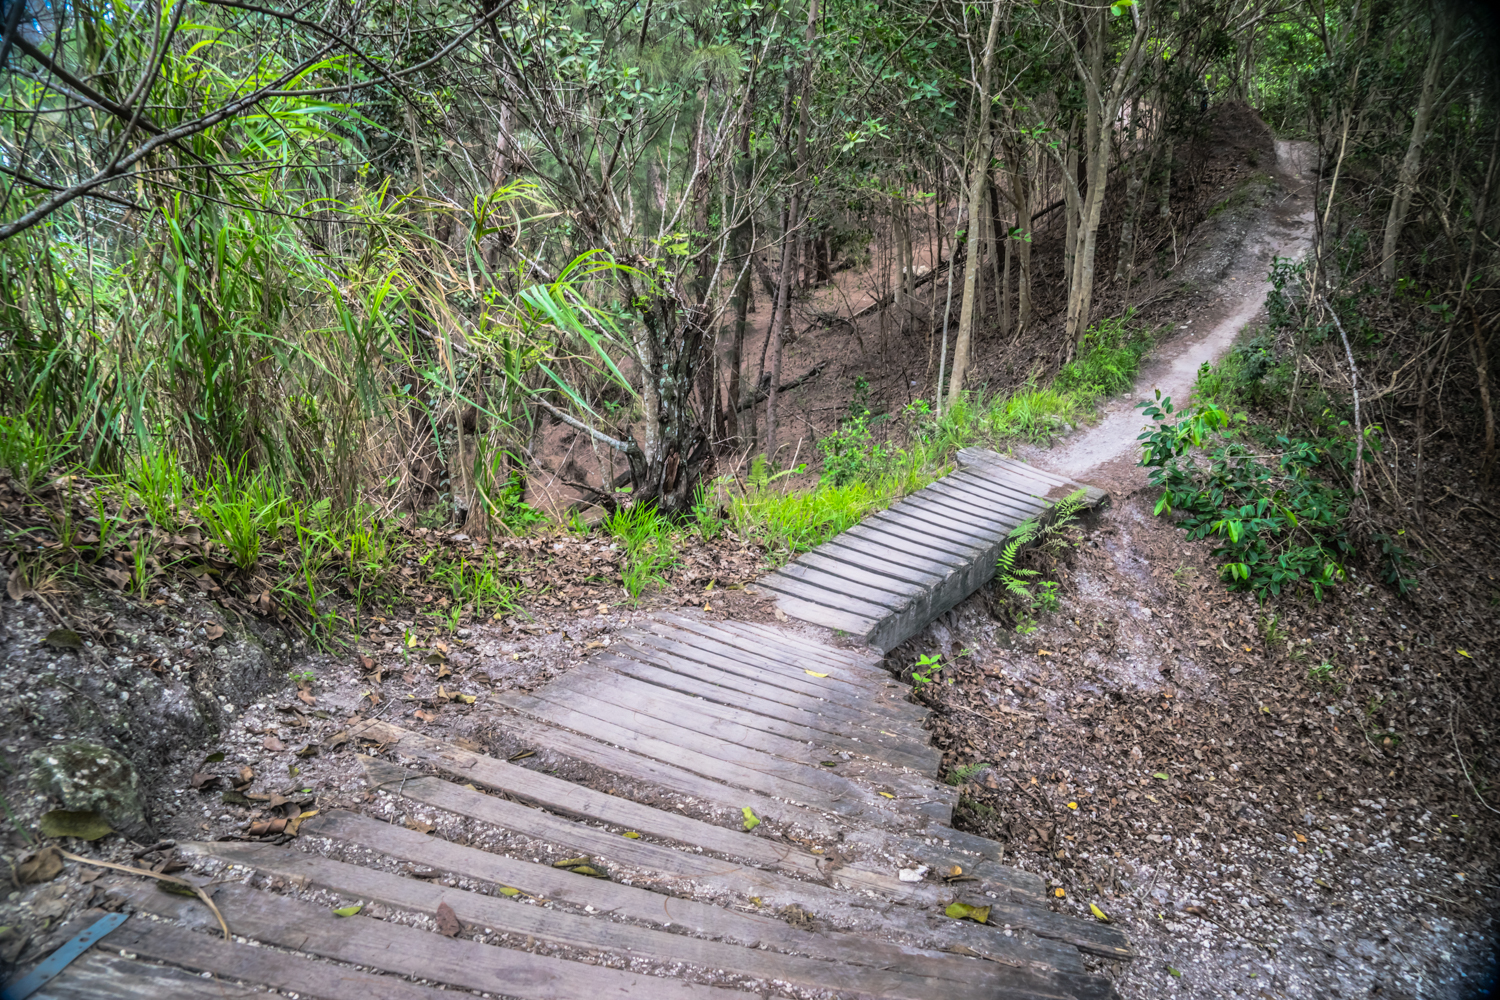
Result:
{"points": [[273, 744], [43, 866], [246, 776], [425, 715], [447, 921], [202, 779], [366, 662], [419, 825], [214, 632], [119, 578], [306, 697]]}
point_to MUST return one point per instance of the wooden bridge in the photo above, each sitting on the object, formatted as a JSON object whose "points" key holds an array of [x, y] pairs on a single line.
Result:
{"points": [[750, 810]]}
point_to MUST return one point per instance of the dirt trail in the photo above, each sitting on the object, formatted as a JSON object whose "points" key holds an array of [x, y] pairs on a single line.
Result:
{"points": [[1106, 453]]}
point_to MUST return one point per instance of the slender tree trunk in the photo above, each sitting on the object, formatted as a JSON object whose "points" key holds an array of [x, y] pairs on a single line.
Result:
{"points": [[1023, 181], [1480, 351], [1071, 208], [979, 172], [743, 240], [1406, 181]]}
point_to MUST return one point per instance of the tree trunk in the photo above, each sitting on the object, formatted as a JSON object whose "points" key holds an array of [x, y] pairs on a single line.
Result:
{"points": [[979, 172], [743, 240], [1406, 181], [1023, 183]]}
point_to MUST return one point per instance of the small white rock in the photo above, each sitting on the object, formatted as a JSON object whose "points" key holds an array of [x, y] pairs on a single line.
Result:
{"points": [[912, 874]]}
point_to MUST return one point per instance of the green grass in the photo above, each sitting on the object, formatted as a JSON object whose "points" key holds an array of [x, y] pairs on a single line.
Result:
{"points": [[647, 539]]}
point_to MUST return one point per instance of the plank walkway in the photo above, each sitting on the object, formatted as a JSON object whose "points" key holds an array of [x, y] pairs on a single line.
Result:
{"points": [[611, 858]]}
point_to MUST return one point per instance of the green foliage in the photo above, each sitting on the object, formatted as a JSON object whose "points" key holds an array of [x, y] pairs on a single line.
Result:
{"points": [[646, 536], [1049, 534], [1276, 527], [964, 773], [926, 669], [1107, 363]]}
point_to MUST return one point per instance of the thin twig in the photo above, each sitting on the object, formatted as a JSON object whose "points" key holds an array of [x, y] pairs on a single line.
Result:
{"points": [[159, 876], [1453, 732]]}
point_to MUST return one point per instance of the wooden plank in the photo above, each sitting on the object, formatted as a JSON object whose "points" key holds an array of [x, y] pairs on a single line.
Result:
{"points": [[665, 870], [872, 557], [405, 951], [806, 576], [722, 737], [855, 694], [781, 635], [943, 503], [101, 975], [516, 916], [568, 799], [955, 492], [918, 551], [844, 622], [667, 867], [728, 688], [632, 766], [1029, 492], [842, 599], [924, 540], [1003, 465], [821, 567], [940, 529], [785, 657], [728, 764], [279, 970], [971, 524], [652, 698]]}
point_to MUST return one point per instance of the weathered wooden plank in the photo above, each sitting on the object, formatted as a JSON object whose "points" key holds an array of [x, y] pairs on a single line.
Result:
{"points": [[101, 975], [940, 531], [633, 766], [405, 951], [823, 568], [843, 599], [866, 729], [925, 539], [855, 693], [277, 969], [960, 495], [988, 521], [667, 703], [1004, 466], [782, 636], [731, 765], [973, 525], [668, 870], [872, 557], [856, 626], [568, 799], [784, 655], [807, 576], [918, 550], [682, 723], [516, 916], [1014, 491]]}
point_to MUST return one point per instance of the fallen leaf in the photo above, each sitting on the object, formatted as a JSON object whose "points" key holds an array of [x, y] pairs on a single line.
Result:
{"points": [[305, 696], [963, 911], [425, 716], [1464, 654], [267, 827], [214, 758], [14, 588], [338, 739], [588, 870], [234, 799], [1059, 892], [273, 744], [814, 673], [447, 921], [1300, 839], [213, 632], [1174, 972], [506, 890], [1098, 913], [63, 638], [200, 779], [419, 825], [570, 862], [631, 835], [955, 871], [296, 821], [441, 646], [751, 820], [1162, 775], [307, 750], [43, 866], [1045, 652], [829, 763], [1072, 805], [365, 662], [888, 795], [68, 823], [780, 615], [522, 755], [1196, 911], [347, 911], [118, 577]]}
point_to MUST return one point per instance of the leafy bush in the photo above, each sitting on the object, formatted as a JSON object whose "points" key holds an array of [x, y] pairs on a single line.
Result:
{"points": [[1276, 527], [1107, 363]]}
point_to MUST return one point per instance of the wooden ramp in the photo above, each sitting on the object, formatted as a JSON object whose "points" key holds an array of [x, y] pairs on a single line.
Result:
{"points": [[706, 809], [884, 580]]}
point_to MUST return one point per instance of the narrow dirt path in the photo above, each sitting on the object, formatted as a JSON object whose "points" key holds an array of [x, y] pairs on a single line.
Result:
{"points": [[1106, 454]]}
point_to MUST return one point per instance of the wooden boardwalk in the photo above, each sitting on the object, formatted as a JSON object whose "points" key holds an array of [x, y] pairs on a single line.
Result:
{"points": [[611, 857]]}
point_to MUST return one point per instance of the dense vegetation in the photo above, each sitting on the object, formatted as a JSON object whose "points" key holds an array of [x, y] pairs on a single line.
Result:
{"points": [[279, 271]]}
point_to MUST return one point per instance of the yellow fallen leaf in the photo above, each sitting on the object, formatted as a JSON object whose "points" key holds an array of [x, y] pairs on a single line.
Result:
{"points": [[632, 835], [506, 890], [1094, 909], [1072, 805], [1247, 649], [888, 795], [1059, 893], [1045, 652], [814, 673], [1465, 654], [1300, 839], [347, 911]]}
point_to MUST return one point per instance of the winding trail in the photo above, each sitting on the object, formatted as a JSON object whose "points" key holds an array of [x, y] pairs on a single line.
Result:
{"points": [[1106, 454]]}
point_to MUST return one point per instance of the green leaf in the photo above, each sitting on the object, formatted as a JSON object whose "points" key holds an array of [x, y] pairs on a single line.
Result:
{"points": [[1163, 775], [506, 890], [83, 825], [751, 820], [348, 911], [1174, 972]]}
